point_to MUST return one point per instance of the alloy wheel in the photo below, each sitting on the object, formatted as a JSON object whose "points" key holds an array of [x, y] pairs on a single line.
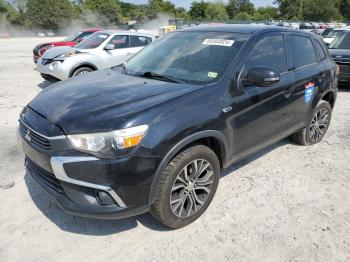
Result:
{"points": [[192, 188], [319, 125], [82, 73]]}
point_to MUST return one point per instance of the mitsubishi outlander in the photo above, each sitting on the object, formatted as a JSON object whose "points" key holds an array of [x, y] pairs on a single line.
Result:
{"points": [[154, 133]]}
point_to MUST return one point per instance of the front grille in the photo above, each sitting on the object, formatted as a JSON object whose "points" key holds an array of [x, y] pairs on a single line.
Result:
{"points": [[44, 176], [34, 138], [46, 61]]}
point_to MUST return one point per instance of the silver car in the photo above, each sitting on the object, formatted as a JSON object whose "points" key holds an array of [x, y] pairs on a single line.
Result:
{"points": [[102, 49]]}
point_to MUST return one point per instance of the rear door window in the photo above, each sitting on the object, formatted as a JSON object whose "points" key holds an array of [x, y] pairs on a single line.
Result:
{"points": [[269, 51], [138, 41], [303, 51], [120, 41]]}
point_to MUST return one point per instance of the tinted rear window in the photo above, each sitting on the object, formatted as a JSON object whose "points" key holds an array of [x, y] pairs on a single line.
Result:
{"points": [[303, 51]]}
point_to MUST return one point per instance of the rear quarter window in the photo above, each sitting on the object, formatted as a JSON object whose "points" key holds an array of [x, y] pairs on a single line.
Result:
{"points": [[304, 52], [321, 51]]}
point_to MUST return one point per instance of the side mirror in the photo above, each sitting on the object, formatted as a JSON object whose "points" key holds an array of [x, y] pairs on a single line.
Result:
{"points": [[109, 47], [263, 76]]}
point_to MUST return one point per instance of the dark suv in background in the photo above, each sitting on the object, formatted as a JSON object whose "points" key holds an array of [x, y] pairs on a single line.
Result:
{"points": [[340, 51], [154, 134]]}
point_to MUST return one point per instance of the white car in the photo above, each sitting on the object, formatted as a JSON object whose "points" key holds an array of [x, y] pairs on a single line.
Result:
{"points": [[336, 32], [295, 25], [102, 49]]}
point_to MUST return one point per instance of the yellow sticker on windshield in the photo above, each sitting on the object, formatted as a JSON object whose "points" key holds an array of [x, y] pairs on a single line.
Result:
{"points": [[212, 74]]}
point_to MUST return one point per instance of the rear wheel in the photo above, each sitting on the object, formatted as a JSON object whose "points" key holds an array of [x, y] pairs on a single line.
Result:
{"points": [[317, 126], [82, 71], [187, 186]]}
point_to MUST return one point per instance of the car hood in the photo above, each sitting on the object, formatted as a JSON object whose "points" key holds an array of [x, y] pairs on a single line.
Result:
{"points": [[102, 100], [56, 44], [340, 55], [56, 51]]}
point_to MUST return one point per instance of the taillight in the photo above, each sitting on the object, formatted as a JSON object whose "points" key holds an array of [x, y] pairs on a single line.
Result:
{"points": [[337, 70]]}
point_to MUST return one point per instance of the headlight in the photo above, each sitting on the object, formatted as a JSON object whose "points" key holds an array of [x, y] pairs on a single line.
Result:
{"points": [[69, 54], [107, 144]]}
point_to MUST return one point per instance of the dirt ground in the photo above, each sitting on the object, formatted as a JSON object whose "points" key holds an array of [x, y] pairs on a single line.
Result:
{"points": [[286, 203]]}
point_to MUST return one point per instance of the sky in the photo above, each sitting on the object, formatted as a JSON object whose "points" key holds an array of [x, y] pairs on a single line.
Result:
{"points": [[187, 3]]}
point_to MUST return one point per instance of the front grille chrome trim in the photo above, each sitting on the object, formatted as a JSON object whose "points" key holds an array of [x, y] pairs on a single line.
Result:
{"points": [[47, 137], [58, 169]]}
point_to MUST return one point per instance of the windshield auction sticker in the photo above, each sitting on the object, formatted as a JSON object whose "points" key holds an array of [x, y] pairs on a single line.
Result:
{"points": [[219, 42], [212, 74]]}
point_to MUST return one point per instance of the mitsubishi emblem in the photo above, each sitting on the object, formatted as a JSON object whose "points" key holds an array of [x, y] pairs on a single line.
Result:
{"points": [[27, 135]]}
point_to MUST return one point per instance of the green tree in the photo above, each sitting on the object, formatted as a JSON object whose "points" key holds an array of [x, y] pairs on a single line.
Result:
{"points": [[181, 12], [49, 14], [232, 8], [266, 13], [320, 10], [243, 16], [198, 10], [106, 8], [344, 7], [245, 6], [132, 11], [155, 7], [290, 9], [217, 11]]}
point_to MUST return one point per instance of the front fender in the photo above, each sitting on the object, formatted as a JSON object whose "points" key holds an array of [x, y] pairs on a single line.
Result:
{"points": [[178, 147]]}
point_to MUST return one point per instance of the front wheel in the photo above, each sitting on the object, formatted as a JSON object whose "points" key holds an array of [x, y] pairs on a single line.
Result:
{"points": [[187, 186], [317, 126], [82, 71]]}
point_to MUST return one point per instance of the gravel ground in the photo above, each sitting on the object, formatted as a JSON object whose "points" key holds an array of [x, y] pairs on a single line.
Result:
{"points": [[286, 203]]}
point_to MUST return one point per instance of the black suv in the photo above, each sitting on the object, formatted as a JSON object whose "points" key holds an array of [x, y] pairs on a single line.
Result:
{"points": [[340, 51], [154, 133]]}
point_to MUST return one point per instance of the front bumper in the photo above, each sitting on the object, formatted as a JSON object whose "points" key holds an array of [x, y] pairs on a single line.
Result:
{"points": [[70, 207], [344, 73], [74, 179], [56, 69]]}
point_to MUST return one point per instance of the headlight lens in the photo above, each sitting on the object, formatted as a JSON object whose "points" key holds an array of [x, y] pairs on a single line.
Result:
{"points": [[106, 144], [69, 54]]}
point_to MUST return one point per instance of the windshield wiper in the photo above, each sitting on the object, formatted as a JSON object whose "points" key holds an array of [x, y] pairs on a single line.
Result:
{"points": [[153, 75]]}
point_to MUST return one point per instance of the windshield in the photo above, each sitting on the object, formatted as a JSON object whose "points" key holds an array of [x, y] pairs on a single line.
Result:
{"points": [[336, 33], [193, 57], [78, 36], [341, 42], [93, 41]]}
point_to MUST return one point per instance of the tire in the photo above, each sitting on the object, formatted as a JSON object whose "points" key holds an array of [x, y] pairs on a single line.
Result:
{"points": [[82, 71], [306, 136], [195, 198]]}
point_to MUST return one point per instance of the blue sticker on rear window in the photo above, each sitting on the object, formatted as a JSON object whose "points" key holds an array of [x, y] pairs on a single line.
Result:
{"points": [[309, 92]]}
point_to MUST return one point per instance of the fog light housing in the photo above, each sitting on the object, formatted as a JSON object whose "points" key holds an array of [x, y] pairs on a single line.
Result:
{"points": [[104, 198]]}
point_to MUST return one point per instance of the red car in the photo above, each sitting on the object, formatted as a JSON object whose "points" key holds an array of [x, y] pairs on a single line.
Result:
{"points": [[40, 49]]}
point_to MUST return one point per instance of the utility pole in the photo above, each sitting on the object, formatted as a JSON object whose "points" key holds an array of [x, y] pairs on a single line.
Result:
{"points": [[301, 7]]}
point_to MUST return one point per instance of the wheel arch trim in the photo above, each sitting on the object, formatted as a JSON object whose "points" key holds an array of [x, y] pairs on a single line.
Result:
{"points": [[178, 147]]}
